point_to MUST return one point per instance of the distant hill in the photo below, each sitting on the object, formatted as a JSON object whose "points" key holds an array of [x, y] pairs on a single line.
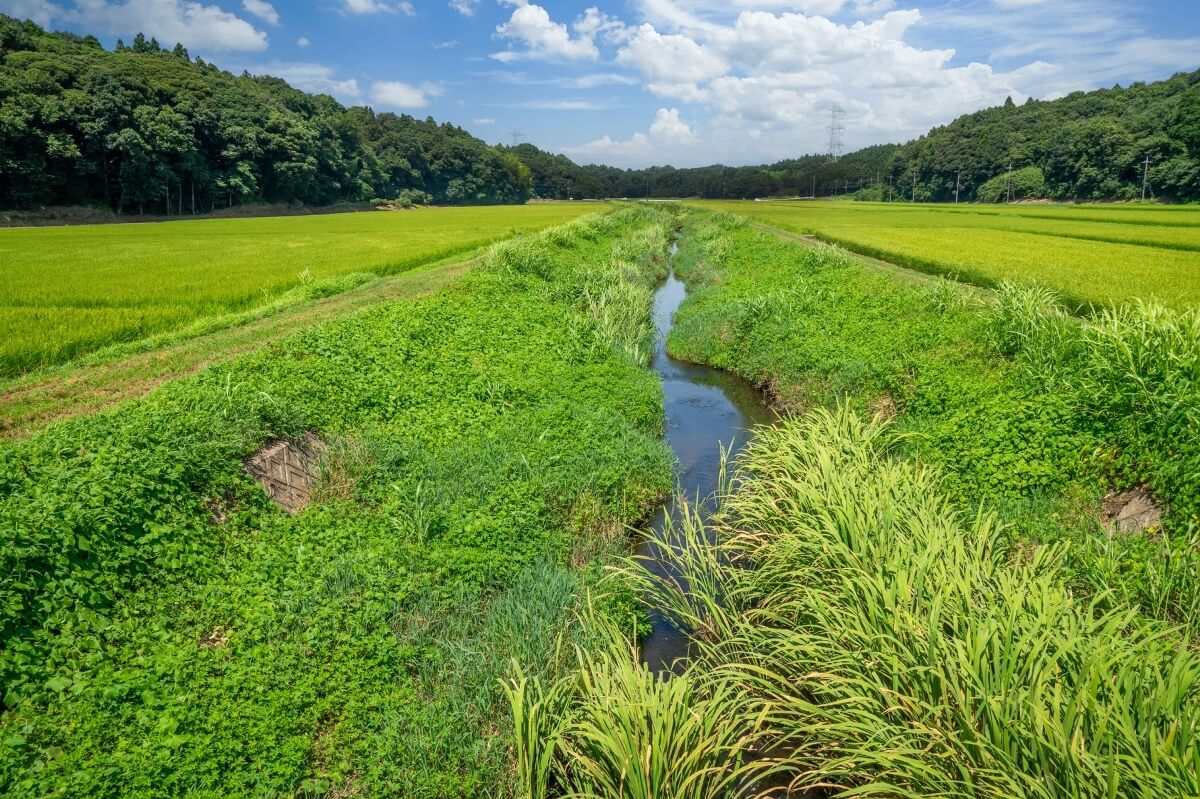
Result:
{"points": [[146, 129], [1085, 146]]}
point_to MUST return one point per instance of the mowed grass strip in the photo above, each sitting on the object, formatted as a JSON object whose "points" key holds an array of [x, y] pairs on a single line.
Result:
{"points": [[1109, 256], [66, 291]]}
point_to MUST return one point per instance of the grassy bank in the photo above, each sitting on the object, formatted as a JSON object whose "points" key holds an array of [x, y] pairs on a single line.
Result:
{"points": [[71, 290], [165, 629], [1021, 407]]}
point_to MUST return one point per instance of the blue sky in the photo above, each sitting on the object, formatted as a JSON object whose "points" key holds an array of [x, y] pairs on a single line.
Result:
{"points": [[635, 82]]}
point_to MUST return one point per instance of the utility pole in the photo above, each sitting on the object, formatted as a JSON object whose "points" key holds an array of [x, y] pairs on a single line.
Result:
{"points": [[1008, 186], [836, 129], [814, 191], [914, 199], [890, 187], [1145, 176], [956, 176]]}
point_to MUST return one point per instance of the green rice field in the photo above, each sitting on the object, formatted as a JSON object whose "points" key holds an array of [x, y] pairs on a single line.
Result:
{"points": [[1090, 255], [65, 291]]}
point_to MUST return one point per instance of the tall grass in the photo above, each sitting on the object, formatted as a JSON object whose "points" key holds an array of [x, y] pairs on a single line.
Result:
{"points": [[857, 635]]}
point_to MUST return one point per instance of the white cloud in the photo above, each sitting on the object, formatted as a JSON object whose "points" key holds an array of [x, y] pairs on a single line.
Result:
{"points": [[465, 7], [667, 131], [359, 7], [195, 25], [263, 10], [40, 11], [670, 61], [303, 42], [316, 78], [446, 45], [530, 25], [398, 94], [483, 121]]}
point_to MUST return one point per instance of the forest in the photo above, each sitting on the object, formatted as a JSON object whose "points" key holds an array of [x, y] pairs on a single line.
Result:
{"points": [[1085, 146], [145, 129]]}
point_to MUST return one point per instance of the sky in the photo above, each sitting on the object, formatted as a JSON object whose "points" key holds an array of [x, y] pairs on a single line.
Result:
{"points": [[684, 82]]}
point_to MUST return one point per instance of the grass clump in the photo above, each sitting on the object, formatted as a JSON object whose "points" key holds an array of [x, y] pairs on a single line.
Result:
{"points": [[855, 634]]}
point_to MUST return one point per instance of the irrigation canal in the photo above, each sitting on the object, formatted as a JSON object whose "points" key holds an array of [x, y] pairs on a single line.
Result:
{"points": [[707, 410]]}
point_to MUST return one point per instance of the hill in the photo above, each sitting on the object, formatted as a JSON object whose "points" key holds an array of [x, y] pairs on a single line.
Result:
{"points": [[1085, 146], [145, 129]]}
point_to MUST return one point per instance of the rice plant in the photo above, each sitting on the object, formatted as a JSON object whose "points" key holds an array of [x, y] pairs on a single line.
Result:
{"points": [[893, 647]]}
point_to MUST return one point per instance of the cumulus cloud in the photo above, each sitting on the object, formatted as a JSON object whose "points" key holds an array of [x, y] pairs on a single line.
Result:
{"points": [[531, 28], [398, 94], [465, 7], [667, 130], [263, 10], [303, 42], [197, 26]]}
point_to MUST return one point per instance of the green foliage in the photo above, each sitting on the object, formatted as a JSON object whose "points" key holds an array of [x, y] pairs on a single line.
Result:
{"points": [[870, 640], [1086, 145], [149, 130], [1026, 183], [1014, 401], [167, 630]]}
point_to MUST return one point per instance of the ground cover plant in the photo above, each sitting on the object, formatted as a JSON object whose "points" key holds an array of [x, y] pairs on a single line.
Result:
{"points": [[857, 635], [1022, 407], [167, 630], [1092, 256], [69, 290]]}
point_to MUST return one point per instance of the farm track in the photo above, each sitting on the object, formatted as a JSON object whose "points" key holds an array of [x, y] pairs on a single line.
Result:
{"points": [[30, 403]]}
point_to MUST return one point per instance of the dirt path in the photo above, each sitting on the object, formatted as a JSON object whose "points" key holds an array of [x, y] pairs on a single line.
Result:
{"points": [[34, 401]]}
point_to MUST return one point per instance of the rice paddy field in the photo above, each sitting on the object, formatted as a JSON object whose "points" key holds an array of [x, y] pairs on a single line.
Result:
{"points": [[65, 291], [1091, 255], [918, 580]]}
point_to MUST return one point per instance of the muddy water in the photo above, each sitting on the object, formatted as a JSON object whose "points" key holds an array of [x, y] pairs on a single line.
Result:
{"points": [[707, 409]]}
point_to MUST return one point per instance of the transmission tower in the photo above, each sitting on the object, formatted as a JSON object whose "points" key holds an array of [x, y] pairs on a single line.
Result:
{"points": [[517, 136], [836, 128]]}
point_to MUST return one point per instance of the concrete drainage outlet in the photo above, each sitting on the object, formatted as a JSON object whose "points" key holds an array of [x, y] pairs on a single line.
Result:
{"points": [[287, 470]]}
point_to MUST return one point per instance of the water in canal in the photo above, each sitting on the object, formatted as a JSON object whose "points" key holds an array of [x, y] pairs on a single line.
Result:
{"points": [[707, 409]]}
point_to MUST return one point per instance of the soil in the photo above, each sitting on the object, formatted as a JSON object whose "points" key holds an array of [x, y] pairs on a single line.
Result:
{"points": [[1132, 511]]}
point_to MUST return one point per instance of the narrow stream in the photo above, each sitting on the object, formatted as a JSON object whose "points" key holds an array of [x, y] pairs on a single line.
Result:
{"points": [[707, 409]]}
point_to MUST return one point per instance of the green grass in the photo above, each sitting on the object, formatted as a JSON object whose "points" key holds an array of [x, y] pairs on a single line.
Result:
{"points": [[66, 291], [857, 636], [1091, 255], [1020, 406], [164, 629]]}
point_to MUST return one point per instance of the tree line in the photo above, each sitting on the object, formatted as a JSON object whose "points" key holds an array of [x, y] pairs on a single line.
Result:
{"points": [[1100, 145], [150, 130]]}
